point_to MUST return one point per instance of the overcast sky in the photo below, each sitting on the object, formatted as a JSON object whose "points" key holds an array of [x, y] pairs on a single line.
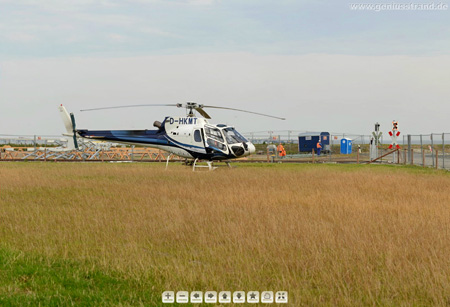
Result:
{"points": [[320, 64]]}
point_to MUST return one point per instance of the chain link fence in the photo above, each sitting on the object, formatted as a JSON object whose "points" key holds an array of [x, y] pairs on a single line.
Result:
{"points": [[428, 150]]}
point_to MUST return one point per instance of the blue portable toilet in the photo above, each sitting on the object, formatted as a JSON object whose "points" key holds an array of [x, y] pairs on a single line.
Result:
{"points": [[346, 146]]}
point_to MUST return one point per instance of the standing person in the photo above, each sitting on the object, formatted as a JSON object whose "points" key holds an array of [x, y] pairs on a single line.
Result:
{"points": [[281, 151], [319, 147]]}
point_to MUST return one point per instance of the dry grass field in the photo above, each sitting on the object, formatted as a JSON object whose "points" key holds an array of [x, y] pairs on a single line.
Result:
{"points": [[329, 234]]}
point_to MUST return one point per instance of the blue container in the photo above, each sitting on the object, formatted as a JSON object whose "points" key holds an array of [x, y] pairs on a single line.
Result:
{"points": [[307, 141], [346, 146]]}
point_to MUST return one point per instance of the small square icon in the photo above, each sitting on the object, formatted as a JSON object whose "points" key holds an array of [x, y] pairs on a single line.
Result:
{"points": [[182, 297], [211, 297], [281, 297], [267, 297], [168, 297], [238, 297], [225, 297], [196, 297], [253, 297]]}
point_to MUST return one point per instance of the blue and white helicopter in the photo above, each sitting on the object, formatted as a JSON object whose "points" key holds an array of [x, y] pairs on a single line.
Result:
{"points": [[190, 137]]}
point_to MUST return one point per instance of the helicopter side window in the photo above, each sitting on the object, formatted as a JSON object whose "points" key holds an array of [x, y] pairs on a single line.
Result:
{"points": [[197, 136], [214, 134], [216, 144], [233, 136]]}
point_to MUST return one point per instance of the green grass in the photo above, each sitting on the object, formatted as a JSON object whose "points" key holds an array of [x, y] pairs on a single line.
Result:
{"points": [[27, 279], [398, 168]]}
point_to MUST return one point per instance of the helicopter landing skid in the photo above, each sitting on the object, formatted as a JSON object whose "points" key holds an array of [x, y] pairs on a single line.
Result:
{"points": [[168, 159], [209, 165]]}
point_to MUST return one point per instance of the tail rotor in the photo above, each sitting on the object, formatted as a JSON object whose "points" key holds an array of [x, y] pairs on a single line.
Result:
{"points": [[74, 130]]}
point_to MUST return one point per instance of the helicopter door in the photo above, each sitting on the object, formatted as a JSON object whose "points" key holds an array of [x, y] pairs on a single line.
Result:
{"points": [[214, 139]]}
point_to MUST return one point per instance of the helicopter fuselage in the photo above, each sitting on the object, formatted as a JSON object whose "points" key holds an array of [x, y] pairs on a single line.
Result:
{"points": [[188, 137]]}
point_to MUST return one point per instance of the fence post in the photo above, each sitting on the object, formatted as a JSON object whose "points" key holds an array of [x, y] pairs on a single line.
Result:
{"points": [[289, 140], [421, 149], [423, 158], [437, 157], [357, 156], [409, 147], [331, 145], [404, 156], [432, 149], [313, 161], [412, 156], [443, 151]]}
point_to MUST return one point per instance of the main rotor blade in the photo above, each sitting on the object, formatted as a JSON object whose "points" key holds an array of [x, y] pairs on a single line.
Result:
{"points": [[203, 113], [244, 111], [135, 106]]}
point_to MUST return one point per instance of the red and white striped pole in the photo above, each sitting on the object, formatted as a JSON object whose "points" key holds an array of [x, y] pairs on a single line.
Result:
{"points": [[394, 135]]}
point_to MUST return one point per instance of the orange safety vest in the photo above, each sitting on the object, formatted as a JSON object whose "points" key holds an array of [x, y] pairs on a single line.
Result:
{"points": [[318, 145]]}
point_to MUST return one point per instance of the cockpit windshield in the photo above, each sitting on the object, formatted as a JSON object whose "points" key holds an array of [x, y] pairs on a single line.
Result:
{"points": [[233, 136]]}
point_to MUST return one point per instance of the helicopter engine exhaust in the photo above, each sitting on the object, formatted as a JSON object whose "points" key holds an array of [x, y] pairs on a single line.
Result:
{"points": [[157, 124]]}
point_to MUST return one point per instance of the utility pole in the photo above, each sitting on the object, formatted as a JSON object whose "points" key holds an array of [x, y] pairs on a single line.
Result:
{"points": [[375, 142]]}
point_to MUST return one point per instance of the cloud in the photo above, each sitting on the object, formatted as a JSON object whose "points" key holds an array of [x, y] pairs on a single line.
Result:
{"points": [[315, 92], [158, 32], [60, 5], [75, 27], [172, 2], [20, 37], [117, 38], [200, 2]]}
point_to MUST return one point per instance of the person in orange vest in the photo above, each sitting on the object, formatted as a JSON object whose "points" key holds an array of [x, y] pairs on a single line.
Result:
{"points": [[281, 151], [319, 147]]}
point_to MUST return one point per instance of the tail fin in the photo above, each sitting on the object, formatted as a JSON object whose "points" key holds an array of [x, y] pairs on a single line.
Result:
{"points": [[69, 123]]}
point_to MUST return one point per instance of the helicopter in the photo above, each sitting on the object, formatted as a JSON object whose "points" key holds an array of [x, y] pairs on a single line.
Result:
{"points": [[191, 137]]}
